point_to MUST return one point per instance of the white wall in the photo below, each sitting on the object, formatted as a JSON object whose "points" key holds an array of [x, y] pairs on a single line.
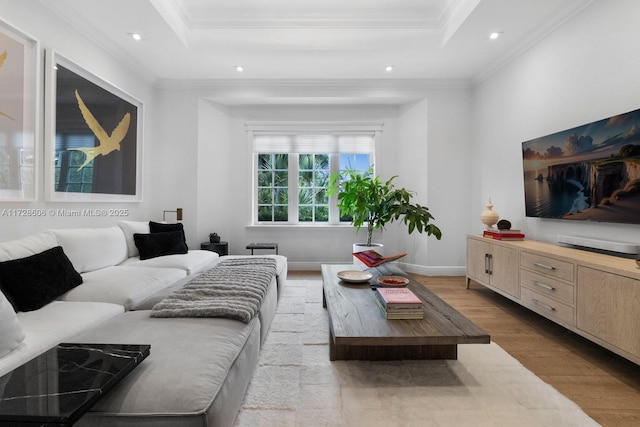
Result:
{"points": [[585, 71], [52, 33], [434, 161], [206, 169]]}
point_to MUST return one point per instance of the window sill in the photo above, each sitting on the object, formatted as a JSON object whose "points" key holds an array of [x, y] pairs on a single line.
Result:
{"points": [[298, 226]]}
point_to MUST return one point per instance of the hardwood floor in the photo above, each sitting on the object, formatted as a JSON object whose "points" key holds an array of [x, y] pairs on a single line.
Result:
{"points": [[604, 385]]}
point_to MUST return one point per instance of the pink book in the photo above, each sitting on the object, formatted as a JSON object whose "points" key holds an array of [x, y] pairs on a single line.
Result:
{"points": [[398, 296]]}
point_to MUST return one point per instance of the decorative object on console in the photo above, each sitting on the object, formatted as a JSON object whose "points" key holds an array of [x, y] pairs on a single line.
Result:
{"points": [[503, 234], [178, 213], [588, 172], [103, 162], [214, 238], [504, 224], [489, 217]]}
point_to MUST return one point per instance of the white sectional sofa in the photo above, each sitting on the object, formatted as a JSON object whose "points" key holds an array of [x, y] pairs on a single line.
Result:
{"points": [[198, 368]]}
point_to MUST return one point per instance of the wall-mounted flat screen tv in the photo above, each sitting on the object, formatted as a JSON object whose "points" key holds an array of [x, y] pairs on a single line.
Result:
{"points": [[590, 172]]}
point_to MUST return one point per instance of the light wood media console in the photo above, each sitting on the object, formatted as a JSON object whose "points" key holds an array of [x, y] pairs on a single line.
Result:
{"points": [[594, 295]]}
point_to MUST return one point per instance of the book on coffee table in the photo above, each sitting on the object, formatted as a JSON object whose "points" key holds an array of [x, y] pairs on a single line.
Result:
{"points": [[392, 298], [400, 313]]}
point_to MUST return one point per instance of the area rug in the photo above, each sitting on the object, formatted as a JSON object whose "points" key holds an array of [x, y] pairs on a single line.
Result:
{"points": [[296, 384]]}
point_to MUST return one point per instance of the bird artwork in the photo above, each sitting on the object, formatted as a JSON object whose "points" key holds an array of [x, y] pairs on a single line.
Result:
{"points": [[107, 143], [3, 57]]}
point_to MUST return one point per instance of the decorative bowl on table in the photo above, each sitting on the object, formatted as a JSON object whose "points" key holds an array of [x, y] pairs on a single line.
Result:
{"points": [[390, 281], [354, 276]]}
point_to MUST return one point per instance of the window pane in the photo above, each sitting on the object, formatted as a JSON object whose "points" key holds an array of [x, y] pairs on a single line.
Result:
{"points": [[265, 213], [265, 196], [305, 196], [281, 161], [273, 181], [281, 179], [281, 196], [360, 162], [265, 161], [321, 162], [322, 214], [305, 179], [305, 161], [265, 179], [321, 197], [281, 213], [305, 214], [313, 178]]}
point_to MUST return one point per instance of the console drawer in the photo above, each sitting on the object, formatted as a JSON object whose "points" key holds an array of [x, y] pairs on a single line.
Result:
{"points": [[547, 266], [547, 307], [547, 286]]}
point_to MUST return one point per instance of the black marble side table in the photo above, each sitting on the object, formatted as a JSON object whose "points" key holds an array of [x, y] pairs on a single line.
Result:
{"points": [[59, 386]]}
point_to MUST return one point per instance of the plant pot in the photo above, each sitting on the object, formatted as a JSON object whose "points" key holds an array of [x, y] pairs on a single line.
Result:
{"points": [[214, 239], [359, 247]]}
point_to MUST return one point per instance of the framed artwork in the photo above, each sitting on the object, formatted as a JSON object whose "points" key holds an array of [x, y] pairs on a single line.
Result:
{"points": [[19, 115], [93, 142]]}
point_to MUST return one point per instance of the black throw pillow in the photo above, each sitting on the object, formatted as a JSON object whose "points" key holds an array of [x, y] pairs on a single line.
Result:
{"points": [[158, 244], [161, 227], [32, 282]]}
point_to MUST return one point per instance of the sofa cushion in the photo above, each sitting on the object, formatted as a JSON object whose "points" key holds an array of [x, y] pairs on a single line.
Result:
{"points": [[26, 246], [195, 375], [93, 248], [11, 332], [159, 244], [32, 282], [129, 228], [192, 262], [55, 323], [123, 285]]}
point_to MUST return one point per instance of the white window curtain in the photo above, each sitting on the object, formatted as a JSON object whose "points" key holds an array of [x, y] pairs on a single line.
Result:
{"points": [[310, 143]]}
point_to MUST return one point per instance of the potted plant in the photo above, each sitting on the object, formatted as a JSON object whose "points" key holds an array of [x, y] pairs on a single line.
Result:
{"points": [[214, 238], [367, 200]]}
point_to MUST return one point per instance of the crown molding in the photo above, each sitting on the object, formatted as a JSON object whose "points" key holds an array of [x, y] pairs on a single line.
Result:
{"points": [[380, 84]]}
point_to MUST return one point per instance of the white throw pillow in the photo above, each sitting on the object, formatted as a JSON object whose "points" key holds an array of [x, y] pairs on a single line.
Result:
{"points": [[89, 249], [11, 333], [27, 246], [129, 228]]}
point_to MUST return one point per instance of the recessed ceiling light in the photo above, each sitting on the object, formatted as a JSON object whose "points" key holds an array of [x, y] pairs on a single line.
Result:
{"points": [[137, 37], [239, 68], [495, 35], [389, 68]]}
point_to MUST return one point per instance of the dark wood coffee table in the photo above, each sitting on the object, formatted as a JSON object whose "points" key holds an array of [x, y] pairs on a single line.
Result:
{"points": [[359, 331]]}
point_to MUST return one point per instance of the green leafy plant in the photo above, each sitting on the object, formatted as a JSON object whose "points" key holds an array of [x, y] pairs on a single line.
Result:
{"points": [[366, 199]]}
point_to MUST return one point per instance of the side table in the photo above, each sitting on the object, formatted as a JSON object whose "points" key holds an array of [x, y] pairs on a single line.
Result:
{"points": [[57, 387], [254, 246], [222, 248]]}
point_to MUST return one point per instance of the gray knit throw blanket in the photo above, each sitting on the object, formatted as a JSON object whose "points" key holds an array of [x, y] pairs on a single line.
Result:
{"points": [[234, 288]]}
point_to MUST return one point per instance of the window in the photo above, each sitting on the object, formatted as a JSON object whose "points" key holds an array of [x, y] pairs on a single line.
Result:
{"points": [[292, 171]]}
